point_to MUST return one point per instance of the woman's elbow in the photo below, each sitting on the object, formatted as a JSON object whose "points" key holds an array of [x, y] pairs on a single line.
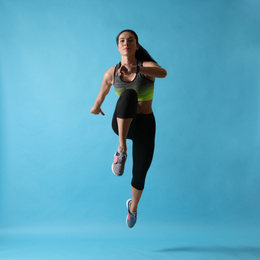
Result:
{"points": [[164, 73]]}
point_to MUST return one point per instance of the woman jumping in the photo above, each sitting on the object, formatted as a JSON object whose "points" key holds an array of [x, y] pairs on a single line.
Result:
{"points": [[133, 79]]}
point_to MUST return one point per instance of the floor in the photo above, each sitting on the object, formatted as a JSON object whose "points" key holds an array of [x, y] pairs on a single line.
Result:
{"points": [[181, 242]]}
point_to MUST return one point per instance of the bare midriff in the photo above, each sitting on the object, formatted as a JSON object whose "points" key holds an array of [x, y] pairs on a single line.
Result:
{"points": [[144, 107]]}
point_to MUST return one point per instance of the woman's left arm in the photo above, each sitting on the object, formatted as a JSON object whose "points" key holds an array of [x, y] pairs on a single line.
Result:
{"points": [[152, 70]]}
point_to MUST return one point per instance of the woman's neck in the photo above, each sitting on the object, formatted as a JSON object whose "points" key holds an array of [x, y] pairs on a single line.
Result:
{"points": [[130, 60]]}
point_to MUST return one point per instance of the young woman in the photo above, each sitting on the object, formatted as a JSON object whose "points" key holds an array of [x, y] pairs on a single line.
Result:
{"points": [[133, 79]]}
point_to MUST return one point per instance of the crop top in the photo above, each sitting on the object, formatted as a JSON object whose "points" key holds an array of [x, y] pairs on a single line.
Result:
{"points": [[143, 86]]}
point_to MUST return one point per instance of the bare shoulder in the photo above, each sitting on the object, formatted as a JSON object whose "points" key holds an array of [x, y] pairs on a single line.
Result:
{"points": [[109, 75]]}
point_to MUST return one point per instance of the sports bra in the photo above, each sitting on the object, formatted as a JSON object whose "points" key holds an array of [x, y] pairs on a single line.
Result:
{"points": [[143, 86]]}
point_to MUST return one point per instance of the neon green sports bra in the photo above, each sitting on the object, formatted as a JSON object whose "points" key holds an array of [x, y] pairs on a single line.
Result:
{"points": [[143, 86]]}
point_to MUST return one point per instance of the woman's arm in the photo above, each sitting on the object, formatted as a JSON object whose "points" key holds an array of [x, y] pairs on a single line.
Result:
{"points": [[150, 69], [107, 82]]}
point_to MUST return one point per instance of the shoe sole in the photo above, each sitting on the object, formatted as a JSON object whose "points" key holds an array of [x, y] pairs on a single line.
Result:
{"points": [[114, 172], [127, 210], [127, 214], [127, 203]]}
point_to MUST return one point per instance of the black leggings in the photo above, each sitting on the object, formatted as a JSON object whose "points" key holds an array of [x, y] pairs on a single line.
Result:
{"points": [[141, 132]]}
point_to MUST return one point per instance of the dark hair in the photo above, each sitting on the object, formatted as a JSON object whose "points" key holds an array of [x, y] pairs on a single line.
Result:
{"points": [[141, 54]]}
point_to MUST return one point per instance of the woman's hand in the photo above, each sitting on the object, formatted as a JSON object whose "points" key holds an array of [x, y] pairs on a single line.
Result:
{"points": [[126, 69], [96, 110], [150, 69]]}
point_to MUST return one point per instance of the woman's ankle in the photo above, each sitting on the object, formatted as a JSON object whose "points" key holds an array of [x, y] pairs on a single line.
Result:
{"points": [[133, 209], [122, 148]]}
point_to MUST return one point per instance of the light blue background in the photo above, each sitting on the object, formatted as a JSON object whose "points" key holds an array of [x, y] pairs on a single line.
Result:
{"points": [[56, 157]]}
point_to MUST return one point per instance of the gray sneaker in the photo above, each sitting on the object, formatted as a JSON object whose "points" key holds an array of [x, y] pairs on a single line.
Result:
{"points": [[131, 217], [118, 165]]}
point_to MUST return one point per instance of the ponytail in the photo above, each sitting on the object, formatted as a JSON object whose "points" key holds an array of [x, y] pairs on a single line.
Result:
{"points": [[143, 55]]}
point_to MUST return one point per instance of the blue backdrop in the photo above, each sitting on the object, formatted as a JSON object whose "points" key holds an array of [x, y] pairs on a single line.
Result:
{"points": [[56, 157]]}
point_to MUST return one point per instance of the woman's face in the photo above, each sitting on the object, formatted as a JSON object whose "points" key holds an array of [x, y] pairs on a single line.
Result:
{"points": [[127, 44]]}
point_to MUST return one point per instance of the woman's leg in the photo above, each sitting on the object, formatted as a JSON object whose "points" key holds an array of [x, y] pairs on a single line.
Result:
{"points": [[123, 125], [124, 114], [143, 149], [136, 196]]}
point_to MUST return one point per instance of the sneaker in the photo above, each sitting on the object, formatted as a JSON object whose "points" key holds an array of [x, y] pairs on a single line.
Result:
{"points": [[119, 163], [131, 217]]}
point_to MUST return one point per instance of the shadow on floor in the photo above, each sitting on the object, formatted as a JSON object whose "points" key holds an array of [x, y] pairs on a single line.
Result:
{"points": [[253, 251]]}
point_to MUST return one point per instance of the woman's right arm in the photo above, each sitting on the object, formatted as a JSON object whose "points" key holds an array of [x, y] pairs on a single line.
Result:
{"points": [[107, 82]]}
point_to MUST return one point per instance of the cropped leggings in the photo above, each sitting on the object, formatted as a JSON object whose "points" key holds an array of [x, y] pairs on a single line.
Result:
{"points": [[141, 132]]}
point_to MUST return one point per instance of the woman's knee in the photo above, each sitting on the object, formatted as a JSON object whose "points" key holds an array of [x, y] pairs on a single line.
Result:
{"points": [[129, 94], [138, 184], [127, 104]]}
